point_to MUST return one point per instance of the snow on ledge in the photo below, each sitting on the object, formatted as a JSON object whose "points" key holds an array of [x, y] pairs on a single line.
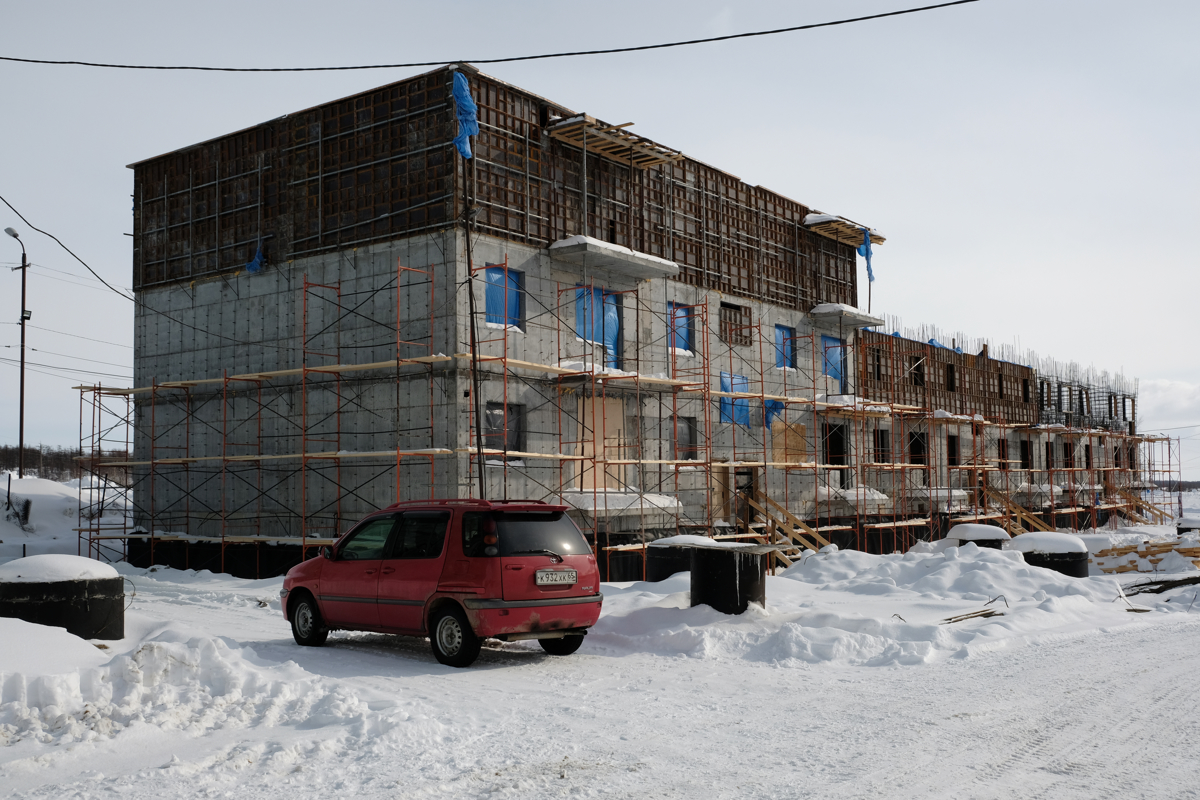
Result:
{"points": [[615, 248], [53, 568], [691, 540]]}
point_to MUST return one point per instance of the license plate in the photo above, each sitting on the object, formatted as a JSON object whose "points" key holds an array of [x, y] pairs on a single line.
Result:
{"points": [[555, 577]]}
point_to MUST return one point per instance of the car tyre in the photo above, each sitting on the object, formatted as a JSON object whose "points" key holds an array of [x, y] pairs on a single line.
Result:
{"points": [[308, 629], [454, 642], [561, 647]]}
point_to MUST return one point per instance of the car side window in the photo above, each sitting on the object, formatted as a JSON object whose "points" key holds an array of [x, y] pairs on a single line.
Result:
{"points": [[367, 542], [479, 539], [421, 534]]}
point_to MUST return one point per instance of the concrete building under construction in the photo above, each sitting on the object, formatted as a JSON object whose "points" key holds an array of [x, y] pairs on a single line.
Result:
{"points": [[336, 310]]}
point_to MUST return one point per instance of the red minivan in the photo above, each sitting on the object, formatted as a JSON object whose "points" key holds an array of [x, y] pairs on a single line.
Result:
{"points": [[457, 571]]}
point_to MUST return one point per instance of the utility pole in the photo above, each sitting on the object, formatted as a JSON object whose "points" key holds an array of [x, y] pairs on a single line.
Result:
{"points": [[25, 315]]}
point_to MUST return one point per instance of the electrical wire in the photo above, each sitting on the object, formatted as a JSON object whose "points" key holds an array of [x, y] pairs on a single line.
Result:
{"points": [[17, 362], [89, 285], [72, 335], [509, 59], [134, 299], [67, 355]]}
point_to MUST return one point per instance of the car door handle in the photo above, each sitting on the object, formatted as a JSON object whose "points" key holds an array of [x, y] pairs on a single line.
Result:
{"points": [[514, 566], [387, 570], [370, 572]]}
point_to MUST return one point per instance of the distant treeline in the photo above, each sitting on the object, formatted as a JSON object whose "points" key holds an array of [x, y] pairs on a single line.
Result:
{"points": [[58, 463], [1179, 486]]}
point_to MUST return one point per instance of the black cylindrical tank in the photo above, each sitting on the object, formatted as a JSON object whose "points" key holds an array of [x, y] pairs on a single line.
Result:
{"points": [[729, 579], [89, 608], [665, 560]]}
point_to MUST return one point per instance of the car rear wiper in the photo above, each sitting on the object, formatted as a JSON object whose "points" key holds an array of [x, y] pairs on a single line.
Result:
{"points": [[539, 550]]}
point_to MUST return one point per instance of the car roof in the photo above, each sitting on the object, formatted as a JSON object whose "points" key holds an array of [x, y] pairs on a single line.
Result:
{"points": [[477, 504]]}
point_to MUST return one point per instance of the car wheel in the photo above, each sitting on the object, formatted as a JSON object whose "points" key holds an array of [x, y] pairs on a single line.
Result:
{"points": [[307, 627], [454, 642], [561, 647]]}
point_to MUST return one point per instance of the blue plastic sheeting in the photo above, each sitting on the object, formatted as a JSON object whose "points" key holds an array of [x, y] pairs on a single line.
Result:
{"points": [[936, 343], [736, 411], [603, 327], [835, 354], [680, 317], [864, 250], [785, 346], [772, 409], [465, 109], [502, 296], [256, 263]]}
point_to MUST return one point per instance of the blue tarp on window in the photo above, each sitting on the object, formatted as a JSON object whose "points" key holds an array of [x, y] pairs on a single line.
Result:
{"points": [[502, 296], [737, 411], [772, 409], [785, 346], [603, 326], [680, 320], [835, 355]]}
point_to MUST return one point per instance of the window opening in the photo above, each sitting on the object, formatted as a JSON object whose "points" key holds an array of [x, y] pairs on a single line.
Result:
{"points": [[837, 452], [598, 320], [679, 319], [504, 297], [882, 450], [687, 448], [835, 360], [501, 433], [735, 324], [735, 410], [916, 370], [785, 346]]}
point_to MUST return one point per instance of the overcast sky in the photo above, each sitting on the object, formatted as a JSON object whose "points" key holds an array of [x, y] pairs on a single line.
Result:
{"points": [[1033, 164]]}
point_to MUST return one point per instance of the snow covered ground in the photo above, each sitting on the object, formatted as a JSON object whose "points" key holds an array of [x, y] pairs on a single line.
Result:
{"points": [[847, 685]]}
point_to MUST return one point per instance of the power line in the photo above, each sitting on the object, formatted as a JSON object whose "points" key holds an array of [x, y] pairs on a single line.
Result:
{"points": [[63, 369], [67, 355], [510, 59], [91, 286], [134, 299], [72, 335], [72, 275]]}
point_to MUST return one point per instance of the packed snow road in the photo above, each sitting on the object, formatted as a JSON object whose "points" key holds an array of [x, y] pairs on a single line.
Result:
{"points": [[847, 686]]}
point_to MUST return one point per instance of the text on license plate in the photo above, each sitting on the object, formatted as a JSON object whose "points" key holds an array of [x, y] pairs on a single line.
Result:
{"points": [[551, 577]]}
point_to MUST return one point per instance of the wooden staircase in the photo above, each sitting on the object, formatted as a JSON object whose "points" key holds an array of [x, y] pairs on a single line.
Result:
{"points": [[1142, 509], [783, 527], [1020, 519]]}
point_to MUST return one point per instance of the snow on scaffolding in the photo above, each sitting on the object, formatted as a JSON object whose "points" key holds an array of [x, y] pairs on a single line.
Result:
{"points": [[616, 502]]}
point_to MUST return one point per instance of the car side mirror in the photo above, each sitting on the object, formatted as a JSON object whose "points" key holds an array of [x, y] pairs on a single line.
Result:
{"points": [[327, 552]]}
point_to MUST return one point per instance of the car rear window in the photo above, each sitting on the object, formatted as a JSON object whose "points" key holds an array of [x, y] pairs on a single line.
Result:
{"points": [[524, 532]]}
